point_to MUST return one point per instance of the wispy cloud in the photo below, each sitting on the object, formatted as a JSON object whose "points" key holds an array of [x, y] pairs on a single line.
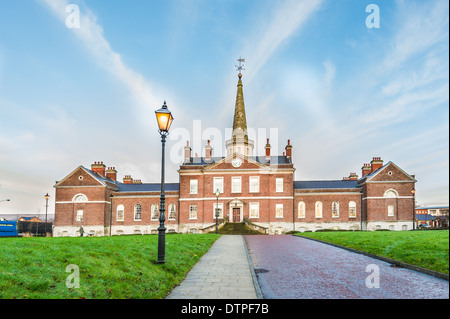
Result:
{"points": [[283, 23], [92, 36]]}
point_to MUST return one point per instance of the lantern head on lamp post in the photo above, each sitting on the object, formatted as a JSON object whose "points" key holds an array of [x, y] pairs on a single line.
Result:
{"points": [[164, 118]]}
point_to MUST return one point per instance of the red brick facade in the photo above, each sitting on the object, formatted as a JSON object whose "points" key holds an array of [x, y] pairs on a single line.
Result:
{"points": [[255, 189]]}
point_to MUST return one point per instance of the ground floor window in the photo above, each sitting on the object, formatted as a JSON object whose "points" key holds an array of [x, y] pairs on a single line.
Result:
{"points": [[301, 209], [220, 207], [193, 212], [254, 210], [318, 209], [155, 212], [79, 215], [279, 210], [352, 209], [172, 212]]}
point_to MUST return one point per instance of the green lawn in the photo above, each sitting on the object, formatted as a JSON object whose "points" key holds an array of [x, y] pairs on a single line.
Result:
{"points": [[109, 267], [426, 249]]}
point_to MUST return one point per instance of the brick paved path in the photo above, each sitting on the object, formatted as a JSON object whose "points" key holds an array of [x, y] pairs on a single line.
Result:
{"points": [[291, 267], [222, 273]]}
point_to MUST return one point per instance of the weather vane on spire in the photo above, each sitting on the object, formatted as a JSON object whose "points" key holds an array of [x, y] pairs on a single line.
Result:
{"points": [[241, 66]]}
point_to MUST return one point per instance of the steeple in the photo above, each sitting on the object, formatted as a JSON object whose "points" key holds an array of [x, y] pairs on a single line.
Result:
{"points": [[239, 142], [239, 122]]}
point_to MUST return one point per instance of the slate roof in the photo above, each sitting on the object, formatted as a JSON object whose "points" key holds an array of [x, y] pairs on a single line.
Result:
{"points": [[148, 187], [425, 217], [279, 160], [333, 184]]}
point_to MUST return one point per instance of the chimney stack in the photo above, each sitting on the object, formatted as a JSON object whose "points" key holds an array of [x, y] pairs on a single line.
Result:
{"points": [[187, 152], [127, 179], [376, 163], [208, 151], [366, 169], [111, 173], [99, 168], [353, 177], [288, 149], [267, 151]]}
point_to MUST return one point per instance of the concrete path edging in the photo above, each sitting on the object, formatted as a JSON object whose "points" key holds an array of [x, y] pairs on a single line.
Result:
{"points": [[252, 270]]}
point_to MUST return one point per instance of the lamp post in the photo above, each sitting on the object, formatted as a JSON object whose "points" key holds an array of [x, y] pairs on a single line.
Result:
{"points": [[413, 191], [46, 209], [164, 118], [217, 210]]}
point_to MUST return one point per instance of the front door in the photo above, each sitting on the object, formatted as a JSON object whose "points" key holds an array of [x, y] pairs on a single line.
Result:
{"points": [[236, 215]]}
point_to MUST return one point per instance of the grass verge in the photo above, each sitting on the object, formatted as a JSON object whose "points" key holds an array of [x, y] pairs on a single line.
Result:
{"points": [[109, 267], [426, 249]]}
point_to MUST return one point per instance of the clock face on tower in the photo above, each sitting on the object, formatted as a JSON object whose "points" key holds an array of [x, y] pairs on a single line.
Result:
{"points": [[236, 162]]}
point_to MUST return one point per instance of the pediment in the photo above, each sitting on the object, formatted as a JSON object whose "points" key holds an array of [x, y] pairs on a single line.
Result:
{"points": [[236, 162], [79, 177], [391, 173]]}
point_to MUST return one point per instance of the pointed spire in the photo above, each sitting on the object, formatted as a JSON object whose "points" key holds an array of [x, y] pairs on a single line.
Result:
{"points": [[240, 121]]}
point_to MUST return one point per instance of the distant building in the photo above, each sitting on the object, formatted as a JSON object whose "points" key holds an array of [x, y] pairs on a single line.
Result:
{"points": [[433, 216], [29, 219], [256, 189]]}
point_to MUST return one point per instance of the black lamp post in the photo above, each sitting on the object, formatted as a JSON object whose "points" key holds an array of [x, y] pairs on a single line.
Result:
{"points": [[414, 208], [164, 118], [46, 209], [217, 210]]}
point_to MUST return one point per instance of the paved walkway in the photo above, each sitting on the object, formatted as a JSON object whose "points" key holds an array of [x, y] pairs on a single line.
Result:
{"points": [[290, 267], [224, 272]]}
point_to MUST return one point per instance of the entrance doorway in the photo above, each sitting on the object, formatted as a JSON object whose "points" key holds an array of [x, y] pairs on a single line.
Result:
{"points": [[236, 215]]}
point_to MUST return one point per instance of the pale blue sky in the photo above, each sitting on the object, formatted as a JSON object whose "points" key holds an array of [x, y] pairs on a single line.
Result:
{"points": [[343, 93]]}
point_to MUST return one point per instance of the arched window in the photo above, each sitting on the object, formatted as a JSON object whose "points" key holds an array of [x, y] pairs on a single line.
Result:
{"points": [[352, 209], [335, 209], [155, 212], [301, 209], [80, 198], [137, 212], [172, 212], [319, 208], [391, 193], [120, 212]]}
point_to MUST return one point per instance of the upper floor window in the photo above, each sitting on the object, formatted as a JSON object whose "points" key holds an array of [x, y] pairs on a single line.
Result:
{"points": [[218, 184], [120, 212], [301, 209], [137, 212], [391, 193], [254, 184], [80, 198], [193, 186], [279, 185], [236, 184]]}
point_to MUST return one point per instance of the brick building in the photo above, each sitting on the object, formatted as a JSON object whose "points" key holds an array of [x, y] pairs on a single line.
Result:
{"points": [[258, 190]]}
